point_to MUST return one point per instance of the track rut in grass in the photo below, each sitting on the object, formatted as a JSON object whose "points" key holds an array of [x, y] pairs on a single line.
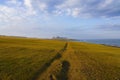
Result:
{"points": [[74, 72], [50, 68], [63, 68]]}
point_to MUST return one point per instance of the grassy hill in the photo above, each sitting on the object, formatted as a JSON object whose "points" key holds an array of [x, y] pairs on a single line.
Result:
{"points": [[40, 59]]}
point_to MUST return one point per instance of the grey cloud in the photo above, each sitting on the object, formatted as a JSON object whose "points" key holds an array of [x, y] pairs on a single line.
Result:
{"points": [[93, 8], [76, 8], [109, 27]]}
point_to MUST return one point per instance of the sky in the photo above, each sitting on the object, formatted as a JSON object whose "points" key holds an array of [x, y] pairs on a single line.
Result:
{"points": [[76, 19]]}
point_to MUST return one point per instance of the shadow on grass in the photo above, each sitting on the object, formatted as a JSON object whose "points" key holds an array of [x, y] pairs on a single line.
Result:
{"points": [[63, 75], [46, 65]]}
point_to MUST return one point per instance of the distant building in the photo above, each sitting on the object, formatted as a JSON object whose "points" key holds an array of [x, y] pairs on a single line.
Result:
{"points": [[60, 38], [64, 38]]}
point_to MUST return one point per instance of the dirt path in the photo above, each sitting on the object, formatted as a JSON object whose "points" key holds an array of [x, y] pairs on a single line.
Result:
{"points": [[67, 67], [74, 72]]}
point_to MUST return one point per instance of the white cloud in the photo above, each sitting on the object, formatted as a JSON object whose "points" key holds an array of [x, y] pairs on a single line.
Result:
{"points": [[28, 4], [14, 11], [76, 12], [69, 7], [42, 6], [6, 13], [30, 10]]}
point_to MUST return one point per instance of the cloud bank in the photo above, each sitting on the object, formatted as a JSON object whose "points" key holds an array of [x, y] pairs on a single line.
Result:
{"points": [[75, 8], [38, 17]]}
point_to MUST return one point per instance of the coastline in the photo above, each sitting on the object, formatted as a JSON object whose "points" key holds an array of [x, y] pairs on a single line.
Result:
{"points": [[105, 42], [111, 45]]}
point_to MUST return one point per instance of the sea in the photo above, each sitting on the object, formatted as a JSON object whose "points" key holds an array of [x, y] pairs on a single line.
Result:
{"points": [[111, 42]]}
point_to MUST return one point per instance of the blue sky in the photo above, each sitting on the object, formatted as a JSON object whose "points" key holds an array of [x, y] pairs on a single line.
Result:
{"points": [[78, 19]]}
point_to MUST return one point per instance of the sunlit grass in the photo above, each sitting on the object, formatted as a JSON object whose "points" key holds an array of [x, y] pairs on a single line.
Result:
{"points": [[98, 62], [27, 58], [21, 58]]}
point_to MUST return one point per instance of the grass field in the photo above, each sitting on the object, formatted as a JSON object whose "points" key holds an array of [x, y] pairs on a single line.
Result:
{"points": [[40, 59], [98, 62], [22, 58]]}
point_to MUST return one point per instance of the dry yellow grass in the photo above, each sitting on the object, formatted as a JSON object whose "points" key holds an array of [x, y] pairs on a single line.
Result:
{"points": [[25, 58], [38, 59], [98, 62]]}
